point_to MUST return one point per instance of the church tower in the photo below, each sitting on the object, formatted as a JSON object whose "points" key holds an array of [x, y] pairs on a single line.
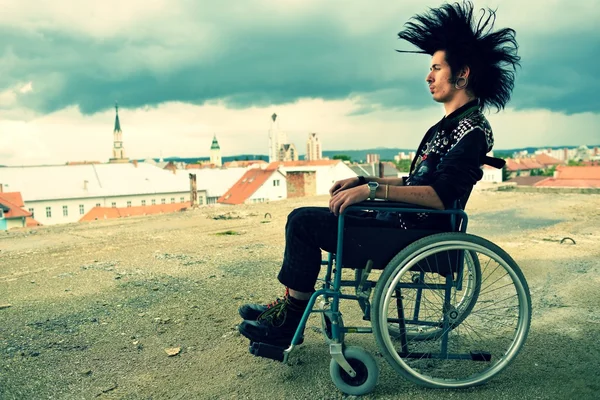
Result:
{"points": [[215, 153], [118, 150]]}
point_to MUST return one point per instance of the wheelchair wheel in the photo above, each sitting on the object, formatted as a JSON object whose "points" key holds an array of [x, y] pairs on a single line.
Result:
{"points": [[366, 369], [470, 337]]}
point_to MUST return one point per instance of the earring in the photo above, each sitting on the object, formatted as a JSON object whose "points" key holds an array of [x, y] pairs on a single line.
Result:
{"points": [[461, 86]]}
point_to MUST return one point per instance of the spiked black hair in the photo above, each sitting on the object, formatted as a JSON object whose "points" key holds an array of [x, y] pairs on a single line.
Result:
{"points": [[491, 56]]}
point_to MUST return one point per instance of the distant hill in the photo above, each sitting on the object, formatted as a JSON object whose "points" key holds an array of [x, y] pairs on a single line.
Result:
{"points": [[385, 153]]}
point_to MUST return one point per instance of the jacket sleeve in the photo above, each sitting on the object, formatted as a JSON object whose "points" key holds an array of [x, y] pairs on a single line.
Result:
{"points": [[460, 168]]}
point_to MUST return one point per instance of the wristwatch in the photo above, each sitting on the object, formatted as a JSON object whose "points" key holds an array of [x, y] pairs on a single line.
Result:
{"points": [[372, 189]]}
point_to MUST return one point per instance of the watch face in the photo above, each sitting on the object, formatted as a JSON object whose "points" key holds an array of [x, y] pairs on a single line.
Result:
{"points": [[373, 185]]}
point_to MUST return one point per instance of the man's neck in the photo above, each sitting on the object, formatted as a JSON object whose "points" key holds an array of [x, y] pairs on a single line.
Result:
{"points": [[457, 102]]}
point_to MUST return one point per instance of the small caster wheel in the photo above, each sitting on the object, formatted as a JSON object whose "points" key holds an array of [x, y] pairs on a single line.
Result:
{"points": [[366, 369]]}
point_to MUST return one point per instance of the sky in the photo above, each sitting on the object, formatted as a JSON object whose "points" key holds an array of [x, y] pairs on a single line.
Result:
{"points": [[185, 70]]}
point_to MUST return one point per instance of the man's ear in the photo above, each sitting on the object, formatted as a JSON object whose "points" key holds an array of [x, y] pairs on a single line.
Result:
{"points": [[465, 72]]}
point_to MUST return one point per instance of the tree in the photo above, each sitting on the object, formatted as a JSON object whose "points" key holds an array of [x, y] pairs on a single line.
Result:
{"points": [[342, 157], [505, 174], [403, 165]]}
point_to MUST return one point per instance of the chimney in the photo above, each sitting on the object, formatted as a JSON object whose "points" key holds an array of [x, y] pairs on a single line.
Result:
{"points": [[1, 188], [135, 163], [85, 187]]}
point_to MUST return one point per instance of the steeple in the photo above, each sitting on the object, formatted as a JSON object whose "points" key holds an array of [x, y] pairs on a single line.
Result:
{"points": [[118, 150], [215, 144], [117, 123], [215, 153]]}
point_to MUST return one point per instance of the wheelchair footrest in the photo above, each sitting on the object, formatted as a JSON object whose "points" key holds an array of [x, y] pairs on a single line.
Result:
{"points": [[267, 351]]}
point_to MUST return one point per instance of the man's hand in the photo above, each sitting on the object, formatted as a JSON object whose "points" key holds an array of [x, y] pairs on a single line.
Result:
{"points": [[342, 185], [341, 199]]}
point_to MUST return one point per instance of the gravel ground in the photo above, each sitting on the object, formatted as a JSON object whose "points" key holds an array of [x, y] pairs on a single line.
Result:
{"points": [[92, 310]]}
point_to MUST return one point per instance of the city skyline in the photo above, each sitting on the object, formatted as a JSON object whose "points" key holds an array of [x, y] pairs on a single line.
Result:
{"points": [[212, 70]]}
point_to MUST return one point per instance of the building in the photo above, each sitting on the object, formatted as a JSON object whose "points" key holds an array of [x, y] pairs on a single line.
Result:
{"points": [[288, 152], [373, 158], [102, 213], [547, 160], [491, 174], [404, 156], [257, 186], [279, 148], [65, 193], [523, 167], [215, 153], [573, 177], [118, 149], [12, 215], [313, 148], [309, 178], [276, 139]]}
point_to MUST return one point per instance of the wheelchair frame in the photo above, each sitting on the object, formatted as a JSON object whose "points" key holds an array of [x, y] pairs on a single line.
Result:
{"points": [[332, 294]]}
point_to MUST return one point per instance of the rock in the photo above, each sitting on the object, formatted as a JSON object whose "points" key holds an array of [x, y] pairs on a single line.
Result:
{"points": [[173, 351], [3, 306]]}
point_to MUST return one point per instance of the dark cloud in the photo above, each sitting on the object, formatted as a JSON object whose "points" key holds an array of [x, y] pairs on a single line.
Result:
{"points": [[559, 73], [274, 65]]}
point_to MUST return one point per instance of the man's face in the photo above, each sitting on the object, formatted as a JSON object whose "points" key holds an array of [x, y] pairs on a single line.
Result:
{"points": [[439, 77]]}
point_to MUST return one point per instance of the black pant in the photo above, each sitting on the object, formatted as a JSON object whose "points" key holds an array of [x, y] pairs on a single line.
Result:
{"points": [[310, 229]]}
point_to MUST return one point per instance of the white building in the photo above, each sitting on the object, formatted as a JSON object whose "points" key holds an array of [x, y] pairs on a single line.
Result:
{"points": [[257, 185], [405, 156], [313, 148], [65, 193], [491, 174]]}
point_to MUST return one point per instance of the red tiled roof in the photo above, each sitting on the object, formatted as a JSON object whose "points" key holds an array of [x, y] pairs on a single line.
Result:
{"points": [[200, 166], [245, 187], [242, 164], [575, 183], [580, 177], [13, 201], [530, 163], [527, 180], [302, 163], [30, 222], [114, 212], [585, 172], [547, 160], [512, 165], [522, 164]]}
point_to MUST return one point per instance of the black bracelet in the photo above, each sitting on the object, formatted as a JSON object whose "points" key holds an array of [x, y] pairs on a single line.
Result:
{"points": [[362, 180]]}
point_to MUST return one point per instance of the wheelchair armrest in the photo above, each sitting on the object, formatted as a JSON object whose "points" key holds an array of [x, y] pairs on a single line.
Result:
{"points": [[391, 206]]}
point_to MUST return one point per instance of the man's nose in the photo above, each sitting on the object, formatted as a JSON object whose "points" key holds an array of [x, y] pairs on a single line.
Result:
{"points": [[428, 78]]}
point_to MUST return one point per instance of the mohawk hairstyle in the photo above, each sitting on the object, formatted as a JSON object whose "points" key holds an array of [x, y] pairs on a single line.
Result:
{"points": [[491, 56]]}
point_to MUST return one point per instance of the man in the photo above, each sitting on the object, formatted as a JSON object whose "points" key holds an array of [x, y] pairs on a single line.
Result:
{"points": [[470, 70]]}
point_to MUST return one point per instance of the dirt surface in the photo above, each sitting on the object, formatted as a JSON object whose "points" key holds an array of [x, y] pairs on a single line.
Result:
{"points": [[90, 310]]}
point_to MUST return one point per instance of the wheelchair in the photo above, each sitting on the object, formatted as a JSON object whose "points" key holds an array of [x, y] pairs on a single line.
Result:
{"points": [[449, 310]]}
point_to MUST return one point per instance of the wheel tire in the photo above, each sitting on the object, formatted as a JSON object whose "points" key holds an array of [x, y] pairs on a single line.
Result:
{"points": [[503, 276], [367, 372]]}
